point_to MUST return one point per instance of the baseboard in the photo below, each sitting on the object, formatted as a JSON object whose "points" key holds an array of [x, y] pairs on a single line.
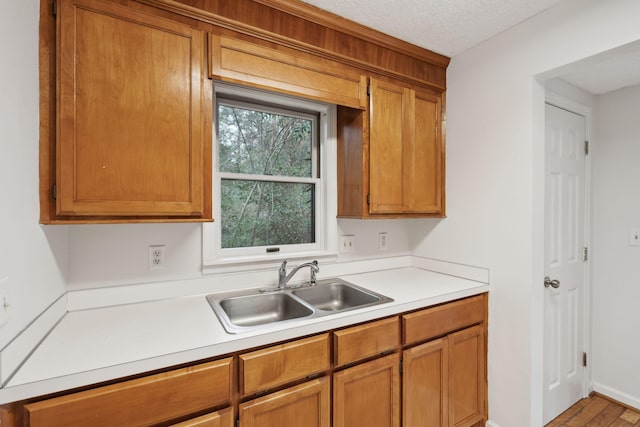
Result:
{"points": [[491, 424], [612, 393], [13, 355]]}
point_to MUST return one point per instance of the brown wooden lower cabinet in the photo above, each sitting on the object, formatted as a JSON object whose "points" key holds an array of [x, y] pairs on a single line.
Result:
{"points": [[360, 383], [305, 405], [443, 381], [368, 395]]}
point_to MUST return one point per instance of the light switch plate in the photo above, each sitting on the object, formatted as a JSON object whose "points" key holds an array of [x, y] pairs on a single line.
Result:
{"points": [[634, 237]]}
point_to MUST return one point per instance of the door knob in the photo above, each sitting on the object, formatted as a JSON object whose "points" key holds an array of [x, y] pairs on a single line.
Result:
{"points": [[553, 283]]}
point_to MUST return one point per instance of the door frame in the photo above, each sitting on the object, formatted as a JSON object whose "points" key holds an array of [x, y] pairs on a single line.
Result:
{"points": [[567, 104]]}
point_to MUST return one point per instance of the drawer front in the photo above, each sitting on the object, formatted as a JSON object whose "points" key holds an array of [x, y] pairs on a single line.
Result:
{"points": [[149, 400], [441, 320], [370, 339], [268, 368]]}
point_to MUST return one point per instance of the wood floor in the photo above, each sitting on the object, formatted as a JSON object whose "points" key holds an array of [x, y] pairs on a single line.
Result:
{"points": [[597, 411]]}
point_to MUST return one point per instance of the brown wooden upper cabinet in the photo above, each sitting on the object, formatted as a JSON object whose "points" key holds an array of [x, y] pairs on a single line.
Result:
{"points": [[133, 117], [391, 161], [283, 70]]}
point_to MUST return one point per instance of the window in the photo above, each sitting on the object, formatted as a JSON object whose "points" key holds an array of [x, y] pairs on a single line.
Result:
{"points": [[270, 161]]}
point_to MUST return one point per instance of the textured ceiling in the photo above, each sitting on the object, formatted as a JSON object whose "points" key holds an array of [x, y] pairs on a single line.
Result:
{"points": [[448, 27]]}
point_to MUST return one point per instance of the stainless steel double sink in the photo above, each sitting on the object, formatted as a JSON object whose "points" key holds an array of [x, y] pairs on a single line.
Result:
{"points": [[247, 310]]}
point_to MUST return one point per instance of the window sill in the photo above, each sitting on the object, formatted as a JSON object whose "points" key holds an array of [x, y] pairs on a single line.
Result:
{"points": [[260, 262]]}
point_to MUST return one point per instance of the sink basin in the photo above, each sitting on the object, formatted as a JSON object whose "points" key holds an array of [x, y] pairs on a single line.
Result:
{"points": [[336, 296], [248, 310], [255, 310]]}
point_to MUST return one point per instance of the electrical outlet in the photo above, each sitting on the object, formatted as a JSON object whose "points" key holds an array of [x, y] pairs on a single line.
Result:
{"points": [[347, 244], [4, 301], [156, 257], [382, 241]]}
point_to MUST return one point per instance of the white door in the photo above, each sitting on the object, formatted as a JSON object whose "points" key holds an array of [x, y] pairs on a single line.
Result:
{"points": [[564, 260]]}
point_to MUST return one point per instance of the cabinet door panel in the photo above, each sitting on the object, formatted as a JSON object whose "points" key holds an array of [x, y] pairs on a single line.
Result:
{"points": [[131, 102], [222, 418], [306, 405], [426, 191], [368, 395], [467, 377], [238, 61], [426, 385], [388, 127]]}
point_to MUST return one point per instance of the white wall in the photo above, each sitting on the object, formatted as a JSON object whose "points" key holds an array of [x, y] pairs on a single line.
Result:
{"points": [[33, 258], [495, 176], [112, 255], [616, 269]]}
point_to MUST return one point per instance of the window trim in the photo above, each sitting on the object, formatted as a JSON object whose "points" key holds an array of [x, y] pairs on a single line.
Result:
{"points": [[216, 259]]}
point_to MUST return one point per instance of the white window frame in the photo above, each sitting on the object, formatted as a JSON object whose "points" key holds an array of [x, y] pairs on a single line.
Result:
{"points": [[215, 259]]}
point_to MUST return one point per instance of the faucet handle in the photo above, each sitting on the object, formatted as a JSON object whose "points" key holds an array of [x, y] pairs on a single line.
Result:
{"points": [[283, 266], [314, 270]]}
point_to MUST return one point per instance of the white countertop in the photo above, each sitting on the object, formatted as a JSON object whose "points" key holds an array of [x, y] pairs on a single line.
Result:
{"points": [[90, 346]]}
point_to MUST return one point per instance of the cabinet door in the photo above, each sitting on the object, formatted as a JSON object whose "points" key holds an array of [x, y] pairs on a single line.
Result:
{"points": [[406, 157], [389, 129], [425, 384], [133, 104], [467, 380], [306, 405], [428, 156], [222, 418], [282, 70], [368, 395]]}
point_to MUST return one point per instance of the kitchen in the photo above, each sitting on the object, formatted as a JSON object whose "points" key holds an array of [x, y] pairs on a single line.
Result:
{"points": [[493, 191]]}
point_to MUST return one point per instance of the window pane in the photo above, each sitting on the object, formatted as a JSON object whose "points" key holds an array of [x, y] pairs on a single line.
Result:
{"points": [[258, 213], [264, 143]]}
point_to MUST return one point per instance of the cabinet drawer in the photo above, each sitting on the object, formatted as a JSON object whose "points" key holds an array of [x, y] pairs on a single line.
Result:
{"points": [[150, 400], [441, 320], [370, 339], [264, 369]]}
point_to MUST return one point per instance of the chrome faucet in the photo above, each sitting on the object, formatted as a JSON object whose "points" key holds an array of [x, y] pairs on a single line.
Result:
{"points": [[284, 278]]}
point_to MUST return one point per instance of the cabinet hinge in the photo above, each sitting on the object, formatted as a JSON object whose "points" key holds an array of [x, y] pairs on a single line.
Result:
{"points": [[54, 8], [54, 191], [584, 359], [401, 366], [238, 422], [585, 254], [368, 199], [586, 148], [369, 90]]}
